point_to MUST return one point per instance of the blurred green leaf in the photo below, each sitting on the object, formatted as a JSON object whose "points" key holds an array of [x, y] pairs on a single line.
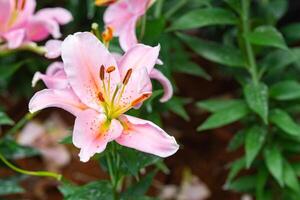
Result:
{"points": [[282, 120], [11, 186], [261, 181], [290, 177], [255, 138], [215, 52], [204, 17], [91, 191], [237, 140], [267, 36], [235, 168], [285, 90], [257, 99], [191, 68], [66, 140], [176, 105], [242, 184], [5, 120], [292, 32], [235, 5], [274, 162], [215, 105], [225, 116]]}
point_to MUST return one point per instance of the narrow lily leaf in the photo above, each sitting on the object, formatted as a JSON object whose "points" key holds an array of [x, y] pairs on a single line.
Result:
{"points": [[257, 99], [292, 32], [204, 17], [274, 162], [255, 138], [225, 116], [282, 120], [290, 177], [215, 52], [11, 186], [285, 90], [267, 36], [235, 5], [242, 184], [261, 181], [237, 140], [191, 68], [235, 168], [5, 120], [214, 105]]}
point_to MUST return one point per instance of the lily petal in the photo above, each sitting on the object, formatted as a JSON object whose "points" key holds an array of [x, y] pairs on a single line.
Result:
{"points": [[5, 10], [65, 99], [60, 15], [140, 56], [127, 36], [15, 38], [83, 54], [87, 135], [145, 136], [164, 81], [53, 49]]}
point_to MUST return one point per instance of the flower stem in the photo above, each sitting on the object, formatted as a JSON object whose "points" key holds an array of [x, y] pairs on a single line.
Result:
{"points": [[112, 174], [158, 8], [21, 123], [249, 50], [31, 173]]}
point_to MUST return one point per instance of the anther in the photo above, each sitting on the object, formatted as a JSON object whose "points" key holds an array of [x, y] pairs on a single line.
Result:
{"points": [[16, 4], [107, 35], [100, 97], [127, 76], [23, 4], [104, 2], [110, 69], [140, 99], [102, 71]]}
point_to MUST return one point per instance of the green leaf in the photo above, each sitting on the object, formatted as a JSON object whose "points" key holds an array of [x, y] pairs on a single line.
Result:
{"points": [[91, 191], [204, 17], [282, 120], [292, 32], [176, 105], [139, 188], [215, 52], [235, 168], [237, 140], [274, 162], [10, 186], [5, 120], [285, 90], [261, 181], [66, 140], [235, 5], [225, 116], [257, 99], [255, 138], [134, 160], [215, 105], [12, 150], [242, 184], [191, 68], [267, 36], [290, 177]]}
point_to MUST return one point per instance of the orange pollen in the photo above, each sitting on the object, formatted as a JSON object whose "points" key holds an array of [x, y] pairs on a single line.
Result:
{"points": [[100, 97], [127, 76], [23, 4], [102, 71], [140, 99], [110, 69], [104, 2], [107, 35]]}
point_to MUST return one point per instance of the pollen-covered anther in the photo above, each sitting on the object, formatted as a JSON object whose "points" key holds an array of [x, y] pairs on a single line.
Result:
{"points": [[127, 76], [107, 35], [110, 69], [140, 99], [100, 97], [104, 2], [102, 72]]}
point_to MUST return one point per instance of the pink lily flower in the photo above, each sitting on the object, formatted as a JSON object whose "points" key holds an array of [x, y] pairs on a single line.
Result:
{"points": [[122, 17], [19, 24], [98, 92]]}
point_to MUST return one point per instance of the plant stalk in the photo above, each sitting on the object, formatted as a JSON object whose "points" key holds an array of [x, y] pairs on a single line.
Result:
{"points": [[21, 123]]}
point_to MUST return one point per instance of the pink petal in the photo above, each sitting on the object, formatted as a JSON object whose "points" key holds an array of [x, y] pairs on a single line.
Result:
{"points": [[55, 77], [15, 38], [65, 99], [83, 54], [53, 49], [60, 15], [5, 10], [39, 29], [164, 81], [145, 136], [127, 36], [26, 13], [87, 135], [140, 56]]}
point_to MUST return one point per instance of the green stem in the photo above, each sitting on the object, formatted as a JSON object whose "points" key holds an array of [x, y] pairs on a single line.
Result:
{"points": [[158, 8], [21, 123], [31, 173], [143, 28], [249, 50], [112, 175], [29, 47]]}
